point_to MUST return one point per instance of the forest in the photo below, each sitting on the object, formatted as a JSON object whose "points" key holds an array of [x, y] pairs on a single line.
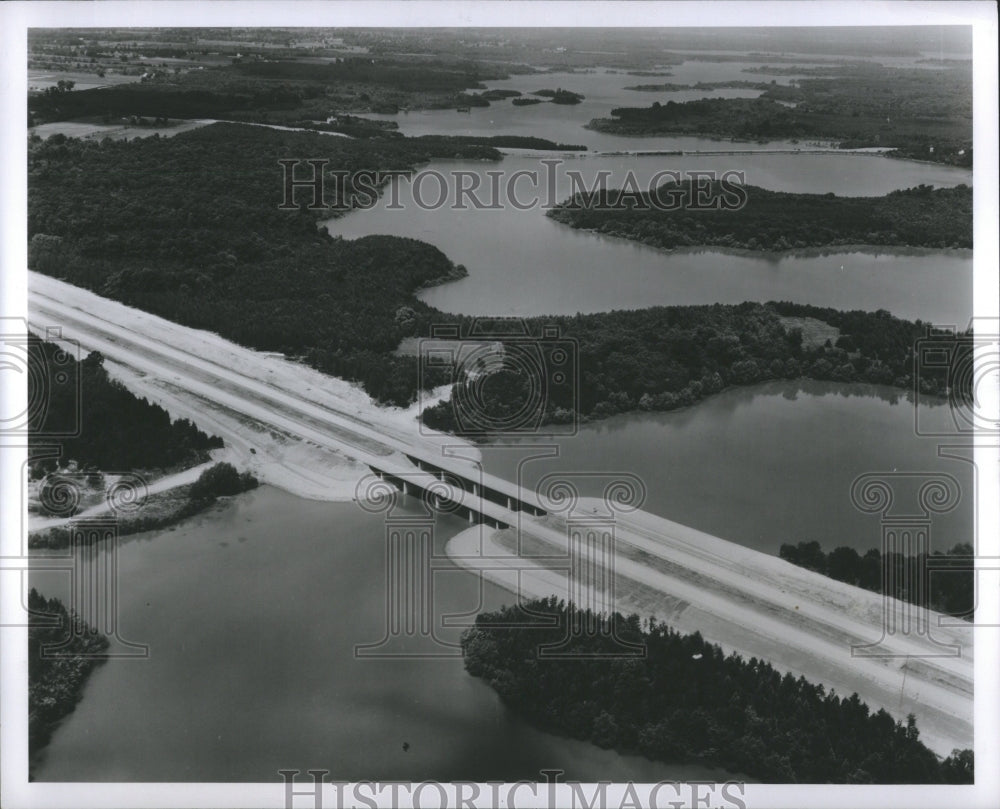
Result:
{"points": [[98, 422], [921, 114], [948, 579], [684, 699], [775, 220], [667, 357], [189, 228], [277, 91], [56, 680]]}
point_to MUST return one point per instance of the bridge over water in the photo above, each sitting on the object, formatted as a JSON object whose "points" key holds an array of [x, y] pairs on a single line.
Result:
{"points": [[753, 603]]}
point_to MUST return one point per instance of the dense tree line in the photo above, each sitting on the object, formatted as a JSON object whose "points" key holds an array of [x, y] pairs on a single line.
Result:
{"points": [[667, 357], [686, 700], [888, 341], [277, 91], [394, 73], [924, 114], [774, 220], [221, 480], [56, 680], [98, 422], [947, 586], [189, 228]]}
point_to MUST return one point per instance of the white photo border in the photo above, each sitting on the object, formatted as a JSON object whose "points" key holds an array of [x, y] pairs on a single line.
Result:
{"points": [[17, 17]]}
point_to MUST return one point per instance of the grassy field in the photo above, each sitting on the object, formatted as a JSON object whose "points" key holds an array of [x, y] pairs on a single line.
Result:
{"points": [[42, 79], [815, 332]]}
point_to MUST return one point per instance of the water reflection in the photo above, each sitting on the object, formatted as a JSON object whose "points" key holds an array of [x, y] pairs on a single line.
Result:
{"points": [[773, 463]]}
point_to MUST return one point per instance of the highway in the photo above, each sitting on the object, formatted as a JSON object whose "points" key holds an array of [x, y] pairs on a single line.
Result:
{"points": [[744, 600]]}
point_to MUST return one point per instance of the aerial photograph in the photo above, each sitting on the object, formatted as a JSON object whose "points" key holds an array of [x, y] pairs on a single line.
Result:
{"points": [[481, 405]]}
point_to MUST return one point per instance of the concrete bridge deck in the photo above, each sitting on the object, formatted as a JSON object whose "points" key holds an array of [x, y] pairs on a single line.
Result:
{"points": [[746, 601]]}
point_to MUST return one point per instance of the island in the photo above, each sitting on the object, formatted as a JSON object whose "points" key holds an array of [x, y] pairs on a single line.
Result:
{"points": [[56, 681], [560, 96], [714, 214], [914, 113], [677, 697]]}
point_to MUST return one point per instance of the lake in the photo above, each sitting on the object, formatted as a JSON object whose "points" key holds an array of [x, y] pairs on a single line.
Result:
{"points": [[252, 613], [252, 610], [521, 263], [766, 464], [602, 90]]}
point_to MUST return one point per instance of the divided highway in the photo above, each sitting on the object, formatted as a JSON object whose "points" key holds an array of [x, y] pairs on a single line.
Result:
{"points": [[747, 601]]}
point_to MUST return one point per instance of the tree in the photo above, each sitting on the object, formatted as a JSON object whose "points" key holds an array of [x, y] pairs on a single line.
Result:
{"points": [[844, 564]]}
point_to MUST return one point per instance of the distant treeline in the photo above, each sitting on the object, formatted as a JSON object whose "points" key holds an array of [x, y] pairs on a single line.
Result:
{"points": [[669, 87], [427, 76], [56, 680], [97, 421], [924, 114], [685, 700], [947, 585], [513, 142], [775, 220], [277, 91]]}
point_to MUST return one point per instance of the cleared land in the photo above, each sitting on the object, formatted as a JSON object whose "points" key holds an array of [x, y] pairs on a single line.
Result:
{"points": [[314, 435], [753, 604]]}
